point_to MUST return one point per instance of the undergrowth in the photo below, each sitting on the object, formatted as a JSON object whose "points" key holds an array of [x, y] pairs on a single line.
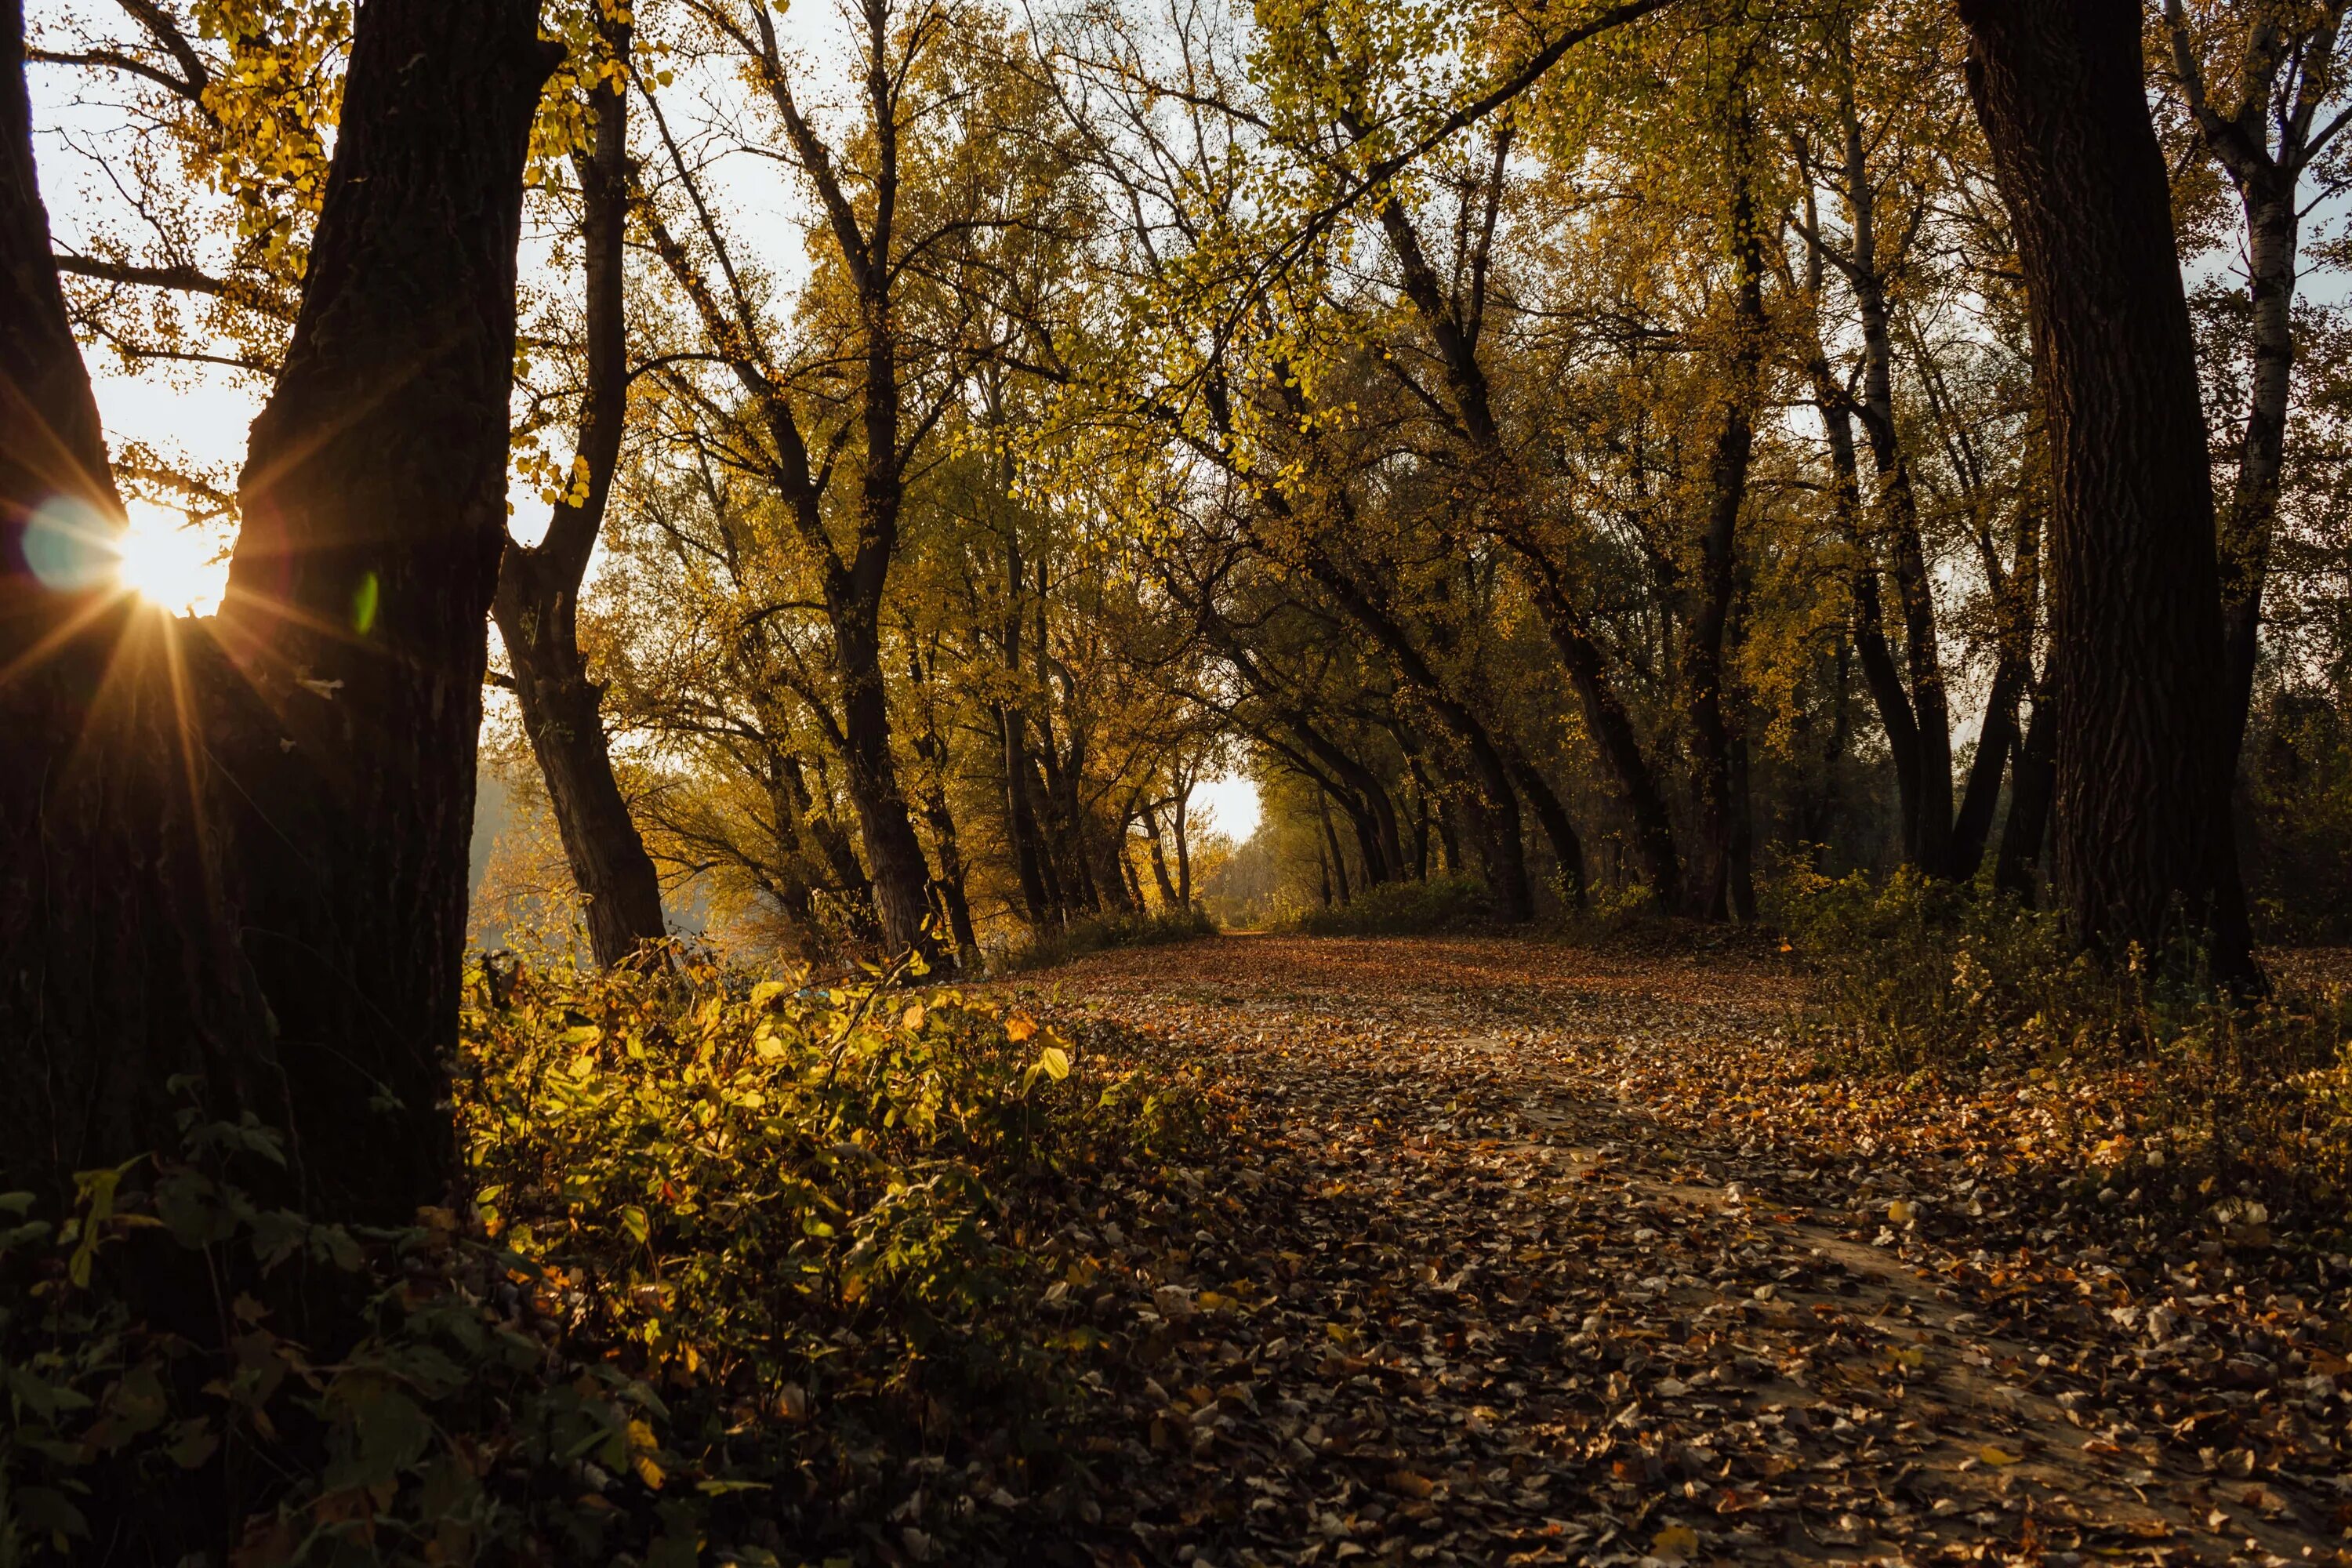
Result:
{"points": [[1437, 907], [2170, 1087], [728, 1246], [1100, 934]]}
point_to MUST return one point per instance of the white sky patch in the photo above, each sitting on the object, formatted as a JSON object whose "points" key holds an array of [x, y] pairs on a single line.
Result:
{"points": [[1231, 805]]}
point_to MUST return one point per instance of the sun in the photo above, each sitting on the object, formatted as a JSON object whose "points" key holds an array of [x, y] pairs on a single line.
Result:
{"points": [[175, 564]]}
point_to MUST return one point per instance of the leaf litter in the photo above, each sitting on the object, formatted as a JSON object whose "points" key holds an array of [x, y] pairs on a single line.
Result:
{"points": [[1525, 1253]]}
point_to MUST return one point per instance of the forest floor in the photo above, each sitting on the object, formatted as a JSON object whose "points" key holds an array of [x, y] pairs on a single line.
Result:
{"points": [[1527, 1252]]}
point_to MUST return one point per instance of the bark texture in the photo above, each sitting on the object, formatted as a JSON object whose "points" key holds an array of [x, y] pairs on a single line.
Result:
{"points": [[2135, 661], [243, 854]]}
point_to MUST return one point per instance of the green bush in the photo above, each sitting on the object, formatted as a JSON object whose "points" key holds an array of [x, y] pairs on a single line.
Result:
{"points": [[1100, 934], [1404, 908], [729, 1244]]}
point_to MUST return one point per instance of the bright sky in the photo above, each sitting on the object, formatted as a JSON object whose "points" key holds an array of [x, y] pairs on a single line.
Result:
{"points": [[1232, 804]]}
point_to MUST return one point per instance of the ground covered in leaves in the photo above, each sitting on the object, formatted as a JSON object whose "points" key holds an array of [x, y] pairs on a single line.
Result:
{"points": [[1525, 1252]]}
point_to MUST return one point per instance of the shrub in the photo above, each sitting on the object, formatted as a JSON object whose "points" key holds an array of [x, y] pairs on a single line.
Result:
{"points": [[730, 1242], [1939, 979], [1404, 908], [1100, 934]]}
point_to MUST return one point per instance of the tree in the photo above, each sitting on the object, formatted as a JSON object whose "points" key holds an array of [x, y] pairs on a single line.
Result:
{"points": [[2136, 653], [538, 601], [240, 851], [2265, 131]]}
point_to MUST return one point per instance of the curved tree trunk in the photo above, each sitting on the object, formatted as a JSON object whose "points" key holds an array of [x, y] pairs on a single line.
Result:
{"points": [[2136, 646], [538, 600]]}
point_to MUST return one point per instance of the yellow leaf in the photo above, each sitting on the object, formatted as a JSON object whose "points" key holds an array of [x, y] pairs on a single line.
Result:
{"points": [[1675, 1541], [1900, 1211], [912, 1018], [1055, 1062], [1019, 1027], [1996, 1456]]}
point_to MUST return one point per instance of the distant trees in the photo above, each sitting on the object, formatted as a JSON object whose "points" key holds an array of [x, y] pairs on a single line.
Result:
{"points": [[1602, 454]]}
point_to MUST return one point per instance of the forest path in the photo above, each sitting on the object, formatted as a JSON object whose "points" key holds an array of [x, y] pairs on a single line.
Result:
{"points": [[1521, 1257]]}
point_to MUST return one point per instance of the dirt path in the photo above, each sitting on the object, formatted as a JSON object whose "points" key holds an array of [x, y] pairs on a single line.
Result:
{"points": [[1514, 1261]]}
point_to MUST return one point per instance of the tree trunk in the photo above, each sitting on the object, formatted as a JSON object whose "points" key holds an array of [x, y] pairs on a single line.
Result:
{"points": [[1020, 817], [1928, 808], [1184, 847], [2032, 781], [1887, 694], [1169, 899], [2013, 672], [1567, 848], [267, 886], [895, 861], [374, 505], [2135, 648], [1704, 651], [538, 599], [119, 959], [1612, 731], [1331, 842], [2247, 522]]}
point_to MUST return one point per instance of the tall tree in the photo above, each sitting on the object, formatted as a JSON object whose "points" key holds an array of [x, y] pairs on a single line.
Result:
{"points": [[538, 601], [2136, 653], [242, 852], [2259, 115]]}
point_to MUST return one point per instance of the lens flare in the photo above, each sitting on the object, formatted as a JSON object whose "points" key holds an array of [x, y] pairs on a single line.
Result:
{"points": [[174, 563], [69, 545]]}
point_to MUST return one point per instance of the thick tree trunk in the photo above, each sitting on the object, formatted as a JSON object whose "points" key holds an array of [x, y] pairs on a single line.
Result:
{"points": [[901, 876], [374, 505], [267, 885], [118, 960], [2136, 646], [538, 600]]}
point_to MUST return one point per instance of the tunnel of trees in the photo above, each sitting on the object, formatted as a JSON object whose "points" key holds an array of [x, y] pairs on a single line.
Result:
{"points": [[1601, 465]]}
